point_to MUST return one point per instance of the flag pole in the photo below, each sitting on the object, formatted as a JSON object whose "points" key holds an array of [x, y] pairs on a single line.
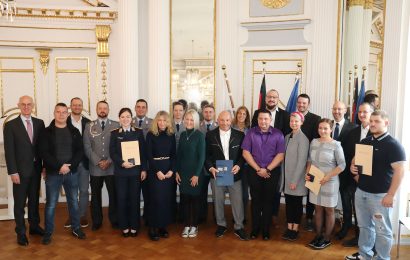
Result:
{"points": [[228, 87]]}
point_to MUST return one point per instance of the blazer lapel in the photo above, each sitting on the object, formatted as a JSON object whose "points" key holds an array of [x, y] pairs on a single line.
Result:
{"points": [[219, 142]]}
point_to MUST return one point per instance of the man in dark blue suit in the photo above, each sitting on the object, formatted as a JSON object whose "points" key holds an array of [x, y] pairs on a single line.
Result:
{"points": [[24, 167]]}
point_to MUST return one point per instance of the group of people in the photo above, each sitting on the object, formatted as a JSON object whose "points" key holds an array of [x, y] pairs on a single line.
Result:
{"points": [[272, 152]]}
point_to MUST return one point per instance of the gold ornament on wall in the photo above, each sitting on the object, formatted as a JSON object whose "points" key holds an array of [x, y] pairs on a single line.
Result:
{"points": [[44, 59], [104, 80], [275, 4], [102, 32]]}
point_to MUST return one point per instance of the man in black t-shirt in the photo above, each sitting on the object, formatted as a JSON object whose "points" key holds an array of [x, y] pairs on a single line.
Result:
{"points": [[375, 194]]}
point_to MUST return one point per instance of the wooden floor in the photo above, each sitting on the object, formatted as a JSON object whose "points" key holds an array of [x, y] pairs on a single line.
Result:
{"points": [[107, 243]]}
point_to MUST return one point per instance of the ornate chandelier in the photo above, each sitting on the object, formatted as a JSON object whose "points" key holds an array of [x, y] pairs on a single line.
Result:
{"points": [[8, 9]]}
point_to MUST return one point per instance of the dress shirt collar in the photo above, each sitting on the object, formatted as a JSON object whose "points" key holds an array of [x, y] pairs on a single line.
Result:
{"points": [[223, 133], [259, 130], [23, 118]]}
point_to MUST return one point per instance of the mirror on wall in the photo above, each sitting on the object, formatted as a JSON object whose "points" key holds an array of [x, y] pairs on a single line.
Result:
{"points": [[192, 51], [361, 47]]}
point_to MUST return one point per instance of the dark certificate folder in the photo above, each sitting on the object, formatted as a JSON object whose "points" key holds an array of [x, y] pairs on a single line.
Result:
{"points": [[225, 176]]}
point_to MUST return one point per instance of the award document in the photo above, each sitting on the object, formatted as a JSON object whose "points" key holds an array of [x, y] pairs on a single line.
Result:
{"points": [[131, 152], [363, 158], [316, 175], [225, 176]]}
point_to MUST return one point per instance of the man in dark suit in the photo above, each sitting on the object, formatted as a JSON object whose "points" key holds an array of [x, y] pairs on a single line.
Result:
{"points": [[77, 120], [310, 129], [24, 167], [224, 143], [347, 184], [280, 118]]}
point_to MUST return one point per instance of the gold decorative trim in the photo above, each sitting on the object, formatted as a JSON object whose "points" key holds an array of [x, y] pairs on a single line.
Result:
{"points": [[46, 28], [281, 15], [380, 27], [86, 71], [48, 42], [275, 4], [377, 45], [368, 4], [32, 70], [104, 79], [284, 72], [44, 59], [102, 32], [66, 14], [351, 3]]}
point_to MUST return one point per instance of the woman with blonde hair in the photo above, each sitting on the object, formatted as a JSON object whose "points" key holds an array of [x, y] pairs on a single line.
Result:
{"points": [[161, 153], [190, 163]]}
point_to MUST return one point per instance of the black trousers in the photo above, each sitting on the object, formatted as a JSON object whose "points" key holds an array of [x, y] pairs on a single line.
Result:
{"points": [[28, 190], [190, 206], [262, 194], [128, 201], [310, 208], [203, 204], [347, 197], [96, 183], [294, 208]]}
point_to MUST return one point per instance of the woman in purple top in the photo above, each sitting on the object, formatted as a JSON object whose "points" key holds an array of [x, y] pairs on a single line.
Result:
{"points": [[263, 149]]}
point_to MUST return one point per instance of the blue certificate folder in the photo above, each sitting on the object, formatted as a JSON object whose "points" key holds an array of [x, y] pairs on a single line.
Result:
{"points": [[225, 176]]}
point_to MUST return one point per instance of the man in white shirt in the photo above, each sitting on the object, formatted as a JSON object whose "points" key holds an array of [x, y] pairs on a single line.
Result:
{"points": [[224, 143]]}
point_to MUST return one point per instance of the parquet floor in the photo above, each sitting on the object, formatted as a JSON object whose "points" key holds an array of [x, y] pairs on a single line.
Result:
{"points": [[107, 243]]}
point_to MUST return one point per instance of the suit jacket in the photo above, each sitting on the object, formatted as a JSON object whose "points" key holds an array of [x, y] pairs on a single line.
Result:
{"points": [[281, 120], [202, 127], [346, 128], [21, 155], [310, 126], [178, 133], [84, 121], [349, 147], [145, 126], [47, 149], [214, 150], [97, 146]]}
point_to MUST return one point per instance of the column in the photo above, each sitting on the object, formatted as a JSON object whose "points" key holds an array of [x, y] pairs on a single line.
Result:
{"points": [[367, 26], [158, 56]]}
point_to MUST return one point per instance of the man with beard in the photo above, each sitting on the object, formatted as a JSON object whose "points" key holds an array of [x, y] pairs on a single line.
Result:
{"points": [[78, 121], [280, 120], [141, 120], [96, 147]]}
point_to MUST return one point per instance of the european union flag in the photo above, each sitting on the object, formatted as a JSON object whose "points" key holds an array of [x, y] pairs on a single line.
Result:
{"points": [[291, 106]]}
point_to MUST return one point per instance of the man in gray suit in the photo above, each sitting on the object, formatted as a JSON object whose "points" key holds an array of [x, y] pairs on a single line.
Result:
{"points": [[208, 124], [96, 138], [141, 120], [178, 115]]}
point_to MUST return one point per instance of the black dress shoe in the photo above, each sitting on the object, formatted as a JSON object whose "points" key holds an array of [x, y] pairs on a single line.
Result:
{"points": [[241, 234], [163, 233], [22, 240], [342, 233], [153, 234], [37, 231], [220, 231], [96, 227], [254, 234], [46, 239], [266, 235]]}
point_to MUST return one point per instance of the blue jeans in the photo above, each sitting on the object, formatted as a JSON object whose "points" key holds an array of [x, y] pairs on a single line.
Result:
{"points": [[53, 186], [374, 222], [83, 184]]}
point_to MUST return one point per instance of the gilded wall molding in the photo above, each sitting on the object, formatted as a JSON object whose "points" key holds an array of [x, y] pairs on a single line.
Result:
{"points": [[275, 4], [102, 32], [66, 14], [44, 59], [368, 4], [351, 3], [377, 45]]}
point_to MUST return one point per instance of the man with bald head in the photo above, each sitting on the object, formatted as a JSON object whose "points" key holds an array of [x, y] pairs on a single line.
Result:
{"points": [[224, 143], [24, 167]]}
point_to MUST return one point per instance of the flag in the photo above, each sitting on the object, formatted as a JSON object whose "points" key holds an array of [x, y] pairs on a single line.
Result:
{"points": [[355, 96], [360, 100], [262, 94], [291, 106]]}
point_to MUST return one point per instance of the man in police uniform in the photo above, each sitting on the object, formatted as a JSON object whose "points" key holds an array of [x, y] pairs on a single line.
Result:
{"points": [[96, 146], [141, 120]]}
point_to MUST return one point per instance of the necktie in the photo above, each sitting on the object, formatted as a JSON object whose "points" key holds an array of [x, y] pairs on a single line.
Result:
{"points": [[208, 126], [29, 130], [177, 125], [140, 123], [102, 125], [336, 133]]}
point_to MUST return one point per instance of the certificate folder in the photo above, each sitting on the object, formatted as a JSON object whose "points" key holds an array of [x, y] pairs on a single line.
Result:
{"points": [[131, 152], [225, 176], [316, 176]]}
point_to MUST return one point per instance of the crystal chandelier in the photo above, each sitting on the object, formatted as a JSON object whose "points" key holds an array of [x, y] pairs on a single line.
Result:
{"points": [[8, 9]]}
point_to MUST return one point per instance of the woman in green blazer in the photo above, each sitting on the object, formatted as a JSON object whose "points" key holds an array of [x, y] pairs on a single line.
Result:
{"points": [[190, 162]]}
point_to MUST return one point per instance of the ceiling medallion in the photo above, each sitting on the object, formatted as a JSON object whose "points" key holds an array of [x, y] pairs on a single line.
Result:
{"points": [[275, 4]]}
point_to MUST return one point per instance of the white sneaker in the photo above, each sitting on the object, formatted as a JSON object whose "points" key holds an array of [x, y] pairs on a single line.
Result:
{"points": [[193, 232], [185, 232]]}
